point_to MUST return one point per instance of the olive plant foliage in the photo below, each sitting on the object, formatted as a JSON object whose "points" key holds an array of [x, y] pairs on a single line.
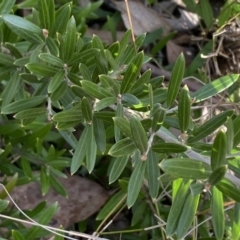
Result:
{"points": [[54, 81]]}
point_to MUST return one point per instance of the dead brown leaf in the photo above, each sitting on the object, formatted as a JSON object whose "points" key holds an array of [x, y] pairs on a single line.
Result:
{"points": [[143, 18], [85, 197]]}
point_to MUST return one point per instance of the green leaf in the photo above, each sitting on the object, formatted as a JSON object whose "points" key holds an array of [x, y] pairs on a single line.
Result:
{"points": [[57, 185], [111, 204], [17, 235], [177, 206], [86, 74], [139, 135], [214, 87], [219, 150], [97, 43], [132, 73], [105, 102], [62, 16], [87, 110], [9, 186], [73, 114], [110, 84], [56, 81], [45, 181], [236, 221], [18, 23], [210, 126], [217, 175], [6, 6], [186, 168], [187, 215], [123, 147], [124, 125], [30, 113], [10, 90], [70, 39], [3, 204], [153, 173], [59, 92], [95, 90], [228, 189], [100, 134], [236, 129], [81, 149], [46, 13], [229, 134], [91, 150], [5, 59], [52, 46], [25, 163], [43, 218], [205, 11], [23, 104], [158, 118], [184, 109], [51, 59], [117, 132], [168, 148], [135, 182], [129, 98], [175, 80], [217, 209], [41, 69], [118, 167]]}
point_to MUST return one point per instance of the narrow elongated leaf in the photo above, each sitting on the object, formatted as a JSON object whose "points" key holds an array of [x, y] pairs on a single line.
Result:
{"points": [[3, 204], [131, 73], [97, 43], [187, 215], [123, 147], [95, 90], [158, 119], [236, 129], [69, 40], [51, 59], [41, 69], [111, 204], [9, 186], [17, 235], [135, 183], [215, 87], [45, 181], [217, 175], [129, 98], [153, 173], [219, 150], [62, 16], [210, 126], [46, 13], [100, 134], [105, 102], [80, 151], [85, 72], [6, 6], [91, 151], [87, 110], [123, 125], [138, 134], [205, 11], [23, 104], [30, 113], [177, 206], [229, 189], [236, 221], [56, 81], [25, 163], [175, 80], [218, 218], [73, 114], [229, 135], [10, 90], [186, 168], [57, 185], [117, 132], [52, 46], [168, 148], [117, 168], [59, 92], [15, 22], [184, 109]]}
